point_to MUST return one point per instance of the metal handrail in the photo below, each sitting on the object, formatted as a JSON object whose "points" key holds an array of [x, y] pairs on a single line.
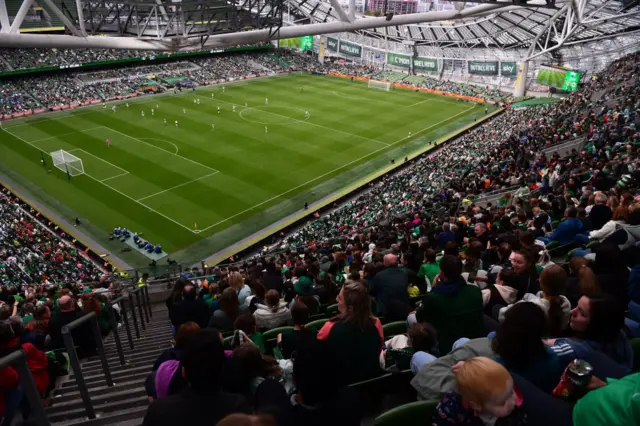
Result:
{"points": [[123, 309], [18, 360], [114, 329], [92, 319]]}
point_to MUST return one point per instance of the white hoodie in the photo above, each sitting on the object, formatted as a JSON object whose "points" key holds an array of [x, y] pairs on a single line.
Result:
{"points": [[509, 294], [544, 304]]}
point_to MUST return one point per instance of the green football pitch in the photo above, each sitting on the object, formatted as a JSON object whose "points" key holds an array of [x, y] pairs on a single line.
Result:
{"points": [[220, 175]]}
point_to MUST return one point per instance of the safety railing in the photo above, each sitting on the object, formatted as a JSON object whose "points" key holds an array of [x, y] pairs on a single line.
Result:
{"points": [[565, 148], [18, 360], [89, 320]]}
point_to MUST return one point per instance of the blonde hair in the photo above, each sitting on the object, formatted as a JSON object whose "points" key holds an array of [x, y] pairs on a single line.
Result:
{"points": [[480, 378], [235, 280]]}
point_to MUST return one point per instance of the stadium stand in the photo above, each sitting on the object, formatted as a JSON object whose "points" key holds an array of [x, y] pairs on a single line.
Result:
{"points": [[556, 246]]}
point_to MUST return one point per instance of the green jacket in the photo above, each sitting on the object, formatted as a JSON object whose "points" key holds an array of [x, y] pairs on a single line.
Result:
{"points": [[454, 309]]}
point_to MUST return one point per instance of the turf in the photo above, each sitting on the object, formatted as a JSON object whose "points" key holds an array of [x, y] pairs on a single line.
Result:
{"points": [[180, 185]]}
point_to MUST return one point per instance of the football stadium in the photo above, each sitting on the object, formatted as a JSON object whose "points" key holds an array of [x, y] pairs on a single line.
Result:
{"points": [[319, 212]]}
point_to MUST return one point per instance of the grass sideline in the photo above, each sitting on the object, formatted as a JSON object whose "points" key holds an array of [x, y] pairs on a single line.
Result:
{"points": [[147, 182]]}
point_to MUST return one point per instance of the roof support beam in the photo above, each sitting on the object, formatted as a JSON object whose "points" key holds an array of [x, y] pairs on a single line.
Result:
{"points": [[4, 18], [339, 10], [22, 12], [231, 39]]}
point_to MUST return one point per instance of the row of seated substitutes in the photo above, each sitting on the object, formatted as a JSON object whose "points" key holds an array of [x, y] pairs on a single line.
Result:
{"points": [[544, 283]]}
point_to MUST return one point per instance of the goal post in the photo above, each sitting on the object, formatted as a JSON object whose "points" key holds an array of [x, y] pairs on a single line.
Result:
{"points": [[380, 85], [68, 163]]}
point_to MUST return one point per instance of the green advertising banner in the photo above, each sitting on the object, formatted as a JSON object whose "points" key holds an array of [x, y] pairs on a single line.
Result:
{"points": [[488, 68], [398, 60], [508, 68], [332, 44], [350, 49], [425, 64]]}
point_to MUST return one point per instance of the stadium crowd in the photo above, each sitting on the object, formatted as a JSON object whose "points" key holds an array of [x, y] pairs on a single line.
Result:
{"points": [[495, 329], [54, 90], [475, 299]]}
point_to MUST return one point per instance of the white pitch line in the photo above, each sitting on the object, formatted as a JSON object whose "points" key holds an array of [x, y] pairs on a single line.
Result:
{"points": [[298, 121], [110, 187], [101, 159], [177, 186], [418, 103], [334, 170], [161, 149], [113, 177], [64, 134]]}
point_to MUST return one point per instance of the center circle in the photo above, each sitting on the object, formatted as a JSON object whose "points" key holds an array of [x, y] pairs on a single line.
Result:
{"points": [[273, 114]]}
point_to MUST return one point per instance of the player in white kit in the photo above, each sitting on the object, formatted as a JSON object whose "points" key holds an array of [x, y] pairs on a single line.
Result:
{"points": [[266, 101]]}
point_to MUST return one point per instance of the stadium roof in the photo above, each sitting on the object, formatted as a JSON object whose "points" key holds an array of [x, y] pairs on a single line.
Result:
{"points": [[506, 28], [540, 26]]}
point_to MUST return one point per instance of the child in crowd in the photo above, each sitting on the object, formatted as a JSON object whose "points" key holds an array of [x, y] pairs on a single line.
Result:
{"points": [[398, 351], [503, 293], [485, 396], [247, 324]]}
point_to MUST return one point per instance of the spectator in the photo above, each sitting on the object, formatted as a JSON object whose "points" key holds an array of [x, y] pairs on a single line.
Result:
{"points": [[11, 394], [524, 266], [518, 346], [551, 299], [90, 303], [429, 269], [484, 390], [184, 333], [189, 309], [620, 216], [399, 350], [354, 336], [272, 277], [303, 289], [503, 293], [597, 321], [237, 283], [453, 307], [252, 369], [274, 314], [289, 341], [257, 297], [321, 398], [176, 293], [446, 236], [247, 420], [247, 324], [600, 213], [38, 329], [566, 231], [390, 290], [225, 317], [202, 365], [82, 336], [212, 298]]}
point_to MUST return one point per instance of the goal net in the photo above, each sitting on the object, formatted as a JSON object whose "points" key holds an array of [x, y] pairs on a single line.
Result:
{"points": [[66, 162], [381, 85]]}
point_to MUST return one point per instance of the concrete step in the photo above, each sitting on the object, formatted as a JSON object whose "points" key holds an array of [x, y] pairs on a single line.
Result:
{"points": [[115, 374], [126, 417], [148, 356], [138, 376], [113, 398], [103, 409], [95, 389]]}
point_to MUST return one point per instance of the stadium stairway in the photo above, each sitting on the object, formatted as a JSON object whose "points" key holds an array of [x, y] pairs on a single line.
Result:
{"points": [[126, 402]]}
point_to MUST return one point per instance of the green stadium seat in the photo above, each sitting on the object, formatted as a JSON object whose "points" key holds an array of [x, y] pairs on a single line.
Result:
{"points": [[332, 310], [270, 338], [317, 317], [317, 325], [394, 328], [414, 413]]}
